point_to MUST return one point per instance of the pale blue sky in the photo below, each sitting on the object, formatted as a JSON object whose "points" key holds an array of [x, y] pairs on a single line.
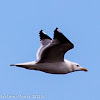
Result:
{"points": [[20, 23]]}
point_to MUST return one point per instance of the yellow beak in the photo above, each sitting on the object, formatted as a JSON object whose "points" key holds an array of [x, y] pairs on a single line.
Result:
{"points": [[84, 69]]}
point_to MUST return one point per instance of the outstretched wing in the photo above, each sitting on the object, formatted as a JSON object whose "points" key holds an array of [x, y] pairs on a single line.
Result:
{"points": [[54, 51], [44, 41]]}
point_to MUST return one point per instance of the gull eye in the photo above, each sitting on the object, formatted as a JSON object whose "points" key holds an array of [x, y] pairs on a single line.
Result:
{"points": [[77, 65]]}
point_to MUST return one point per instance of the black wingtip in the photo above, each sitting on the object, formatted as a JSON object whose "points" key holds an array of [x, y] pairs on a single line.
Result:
{"points": [[59, 36], [41, 31], [43, 35], [57, 30]]}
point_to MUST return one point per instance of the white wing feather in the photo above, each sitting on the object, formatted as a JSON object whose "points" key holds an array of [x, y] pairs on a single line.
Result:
{"points": [[44, 41]]}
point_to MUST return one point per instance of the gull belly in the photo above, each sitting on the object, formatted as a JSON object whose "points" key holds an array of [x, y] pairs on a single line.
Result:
{"points": [[53, 68]]}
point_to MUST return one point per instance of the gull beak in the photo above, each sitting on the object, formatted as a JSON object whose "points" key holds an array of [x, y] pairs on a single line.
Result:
{"points": [[84, 69]]}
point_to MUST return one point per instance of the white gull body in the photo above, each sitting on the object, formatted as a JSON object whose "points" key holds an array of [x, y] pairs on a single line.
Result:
{"points": [[50, 56]]}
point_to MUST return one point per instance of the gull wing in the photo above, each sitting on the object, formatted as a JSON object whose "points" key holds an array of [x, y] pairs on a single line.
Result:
{"points": [[54, 51], [44, 41]]}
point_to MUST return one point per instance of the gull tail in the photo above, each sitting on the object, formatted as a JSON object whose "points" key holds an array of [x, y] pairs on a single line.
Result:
{"points": [[12, 64], [28, 65], [17, 65], [22, 66]]}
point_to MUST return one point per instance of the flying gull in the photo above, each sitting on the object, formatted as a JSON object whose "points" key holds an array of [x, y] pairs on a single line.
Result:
{"points": [[50, 56]]}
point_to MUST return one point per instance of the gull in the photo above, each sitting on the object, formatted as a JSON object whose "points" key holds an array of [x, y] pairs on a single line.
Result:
{"points": [[50, 55]]}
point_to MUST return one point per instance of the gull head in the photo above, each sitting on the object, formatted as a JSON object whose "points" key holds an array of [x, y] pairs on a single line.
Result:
{"points": [[77, 67]]}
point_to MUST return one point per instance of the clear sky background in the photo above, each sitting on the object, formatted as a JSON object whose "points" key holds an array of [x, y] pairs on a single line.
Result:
{"points": [[20, 23]]}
